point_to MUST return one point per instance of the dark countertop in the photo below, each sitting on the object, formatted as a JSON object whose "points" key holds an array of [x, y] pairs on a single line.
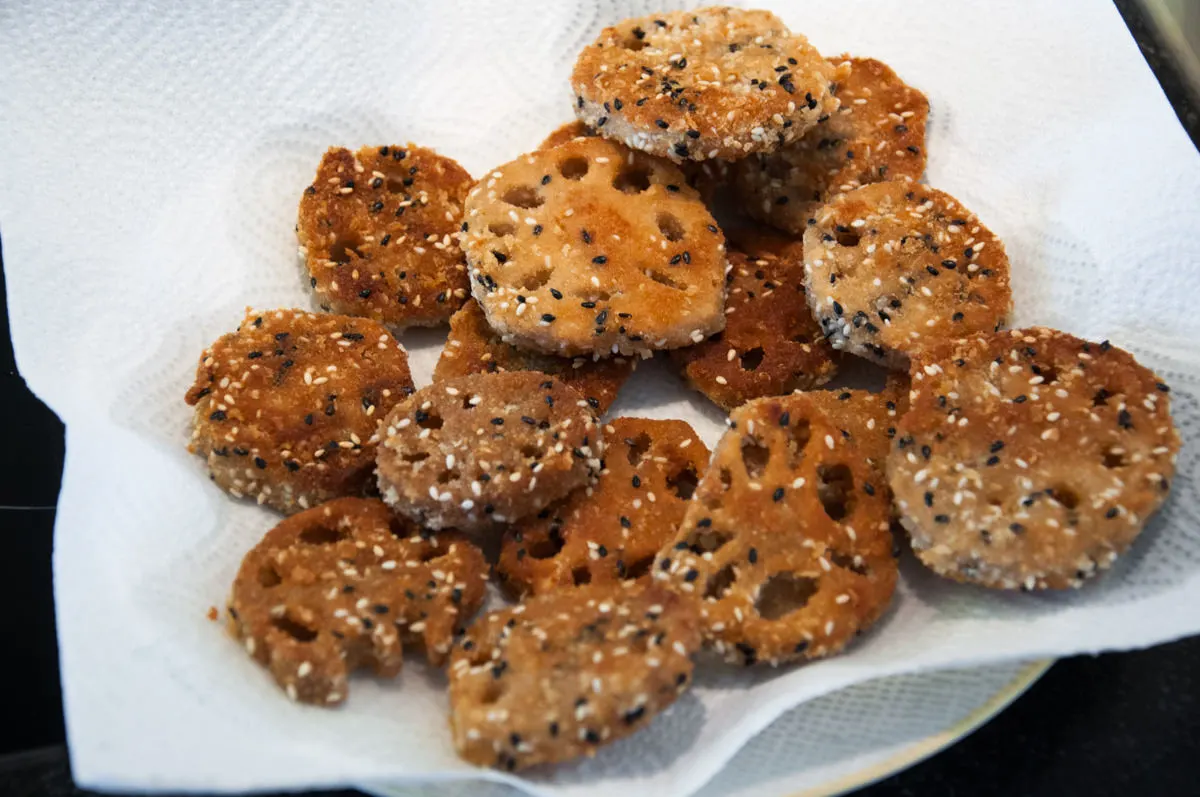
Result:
{"points": [[1118, 723]]}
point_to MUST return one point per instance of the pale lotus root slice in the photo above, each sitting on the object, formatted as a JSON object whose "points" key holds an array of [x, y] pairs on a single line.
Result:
{"points": [[483, 449], [591, 247], [1030, 459], [877, 134], [893, 267], [694, 85], [787, 544], [560, 675], [610, 532], [286, 407], [473, 347], [771, 345], [707, 177], [376, 232], [345, 585]]}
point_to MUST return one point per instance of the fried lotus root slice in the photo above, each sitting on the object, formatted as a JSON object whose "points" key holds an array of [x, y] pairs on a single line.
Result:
{"points": [[286, 407], [593, 248], [877, 134], [692, 85], [486, 448], [786, 544], [894, 266], [610, 532], [473, 347], [376, 232], [344, 586], [770, 345], [559, 675], [1030, 458]]}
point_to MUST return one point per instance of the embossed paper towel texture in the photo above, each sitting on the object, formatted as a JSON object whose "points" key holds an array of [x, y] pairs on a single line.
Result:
{"points": [[152, 161]]}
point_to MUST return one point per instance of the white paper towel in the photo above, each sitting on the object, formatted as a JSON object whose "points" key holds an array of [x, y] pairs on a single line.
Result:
{"points": [[152, 161]]}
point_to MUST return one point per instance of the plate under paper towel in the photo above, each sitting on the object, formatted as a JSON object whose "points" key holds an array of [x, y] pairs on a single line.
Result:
{"points": [[152, 162]]}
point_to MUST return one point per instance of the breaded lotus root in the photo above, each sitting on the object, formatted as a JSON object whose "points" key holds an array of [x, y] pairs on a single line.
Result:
{"points": [[894, 266], [786, 543], [713, 83], [344, 586], [559, 675], [377, 230], [1030, 458], [473, 347], [287, 406], [707, 177], [593, 248], [877, 134], [486, 448], [770, 345], [610, 532]]}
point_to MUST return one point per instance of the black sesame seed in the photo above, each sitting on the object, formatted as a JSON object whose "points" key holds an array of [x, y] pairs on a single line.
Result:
{"points": [[752, 555], [1124, 419], [365, 293], [600, 260], [219, 415], [691, 575], [778, 494], [928, 499], [661, 123], [548, 318], [941, 518], [1111, 513]]}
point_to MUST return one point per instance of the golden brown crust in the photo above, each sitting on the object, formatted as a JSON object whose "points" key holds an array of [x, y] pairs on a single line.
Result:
{"points": [[786, 544], [287, 406], [610, 532], [770, 345], [559, 675], [345, 585], [594, 248], [564, 133], [877, 134], [1030, 458], [894, 266], [377, 230], [486, 448], [712, 83], [473, 347]]}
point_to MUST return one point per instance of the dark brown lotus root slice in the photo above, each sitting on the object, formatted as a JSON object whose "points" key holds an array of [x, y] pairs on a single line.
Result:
{"points": [[771, 345], [877, 134], [377, 231], [610, 532], [693, 85], [287, 406], [593, 248], [786, 544], [1030, 458], [486, 448], [893, 267], [473, 347], [561, 674], [345, 585]]}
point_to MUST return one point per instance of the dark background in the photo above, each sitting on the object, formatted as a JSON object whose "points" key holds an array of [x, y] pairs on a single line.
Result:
{"points": [[1122, 723]]}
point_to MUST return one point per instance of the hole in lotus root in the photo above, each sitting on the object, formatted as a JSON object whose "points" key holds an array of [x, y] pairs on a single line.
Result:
{"points": [[663, 279], [573, 168], [269, 577], [755, 457], [523, 196], [752, 359], [1101, 398], [798, 434], [684, 482], [321, 535], [720, 583], [1114, 458], [530, 451], [782, 594], [702, 541], [344, 246], [581, 576], [447, 476], [638, 447], [835, 489], [639, 568], [536, 280], [1048, 373], [632, 179], [635, 41], [429, 420], [1065, 496], [846, 562], [547, 548], [501, 228], [414, 457], [670, 227], [847, 238], [297, 631]]}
